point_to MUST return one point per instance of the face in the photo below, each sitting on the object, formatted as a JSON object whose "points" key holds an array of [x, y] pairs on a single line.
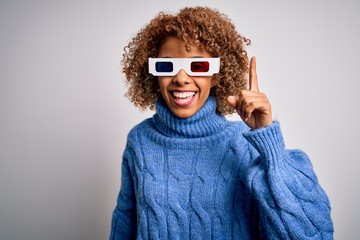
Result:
{"points": [[184, 94]]}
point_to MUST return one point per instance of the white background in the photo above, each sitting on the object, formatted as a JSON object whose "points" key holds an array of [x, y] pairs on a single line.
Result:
{"points": [[64, 119]]}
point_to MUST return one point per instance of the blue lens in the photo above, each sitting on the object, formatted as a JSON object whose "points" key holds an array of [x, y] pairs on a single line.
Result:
{"points": [[164, 66]]}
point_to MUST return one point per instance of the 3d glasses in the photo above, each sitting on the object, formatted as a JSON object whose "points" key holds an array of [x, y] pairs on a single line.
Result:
{"points": [[192, 66]]}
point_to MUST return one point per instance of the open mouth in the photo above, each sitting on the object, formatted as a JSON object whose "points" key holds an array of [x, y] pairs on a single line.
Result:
{"points": [[183, 98]]}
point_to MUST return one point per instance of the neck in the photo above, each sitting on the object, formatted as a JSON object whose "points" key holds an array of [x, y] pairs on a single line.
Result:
{"points": [[204, 123]]}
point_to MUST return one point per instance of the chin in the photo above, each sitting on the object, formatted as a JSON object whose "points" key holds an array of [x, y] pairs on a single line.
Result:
{"points": [[183, 114]]}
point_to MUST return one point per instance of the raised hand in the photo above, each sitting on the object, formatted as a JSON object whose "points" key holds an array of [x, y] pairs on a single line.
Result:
{"points": [[252, 106]]}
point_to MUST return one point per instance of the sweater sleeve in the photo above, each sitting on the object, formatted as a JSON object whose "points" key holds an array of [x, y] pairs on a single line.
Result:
{"points": [[123, 225], [292, 204]]}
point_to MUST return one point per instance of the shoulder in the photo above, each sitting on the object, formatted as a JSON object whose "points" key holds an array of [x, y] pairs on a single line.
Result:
{"points": [[237, 140], [239, 128], [140, 129], [135, 141]]}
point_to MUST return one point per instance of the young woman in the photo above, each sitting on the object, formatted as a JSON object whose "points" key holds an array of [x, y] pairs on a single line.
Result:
{"points": [[187, 172]]}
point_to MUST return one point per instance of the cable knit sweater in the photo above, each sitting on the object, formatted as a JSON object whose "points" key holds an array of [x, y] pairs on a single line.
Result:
{"points": [[205, 177]]}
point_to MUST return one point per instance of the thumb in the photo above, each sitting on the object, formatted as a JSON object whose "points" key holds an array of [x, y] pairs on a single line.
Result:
{"points": [[232, 100]]}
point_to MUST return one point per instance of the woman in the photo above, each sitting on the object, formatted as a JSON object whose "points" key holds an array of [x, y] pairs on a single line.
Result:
{"points": [[187, 172]]}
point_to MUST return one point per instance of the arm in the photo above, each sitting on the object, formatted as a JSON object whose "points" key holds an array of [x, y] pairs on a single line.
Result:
{"points": [[123, 225], [292, 205]]}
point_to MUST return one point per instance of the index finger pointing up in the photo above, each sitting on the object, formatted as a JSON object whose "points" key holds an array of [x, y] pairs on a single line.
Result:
{"points": [[253, 80]]}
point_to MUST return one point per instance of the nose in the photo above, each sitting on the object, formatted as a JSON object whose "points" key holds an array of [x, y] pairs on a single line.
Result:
{"points": [[181, 78]]}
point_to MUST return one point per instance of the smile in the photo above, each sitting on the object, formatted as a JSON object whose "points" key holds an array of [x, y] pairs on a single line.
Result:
{"points": [[183, 98]]}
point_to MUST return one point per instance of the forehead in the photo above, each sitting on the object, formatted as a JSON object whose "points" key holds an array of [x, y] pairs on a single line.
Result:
{"points": [[176, 48]]}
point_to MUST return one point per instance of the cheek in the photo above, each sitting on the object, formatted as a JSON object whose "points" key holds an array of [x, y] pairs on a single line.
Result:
{"points": [[213, 81], [206, 84], [160, 82], [163, 83]]}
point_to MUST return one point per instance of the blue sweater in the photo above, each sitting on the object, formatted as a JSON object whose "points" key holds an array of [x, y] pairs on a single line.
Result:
{"points": [[205, 177]]}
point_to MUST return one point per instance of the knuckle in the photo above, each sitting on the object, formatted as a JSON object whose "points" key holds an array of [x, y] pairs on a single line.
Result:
{"points": [[252, 105], [243, 93]]}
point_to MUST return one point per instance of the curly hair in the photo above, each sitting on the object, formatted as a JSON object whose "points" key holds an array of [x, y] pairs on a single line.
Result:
{"points": [[202, 27]]}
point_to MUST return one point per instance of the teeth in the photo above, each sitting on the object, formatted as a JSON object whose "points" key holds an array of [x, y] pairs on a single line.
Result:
{"points": [[183, 94]]}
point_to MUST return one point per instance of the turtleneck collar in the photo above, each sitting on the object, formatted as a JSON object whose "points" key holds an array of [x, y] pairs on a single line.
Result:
{"points": [[205, 122]]}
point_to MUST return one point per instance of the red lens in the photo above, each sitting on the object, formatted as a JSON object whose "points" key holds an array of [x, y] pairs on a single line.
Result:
{"points": [[200, 66]]}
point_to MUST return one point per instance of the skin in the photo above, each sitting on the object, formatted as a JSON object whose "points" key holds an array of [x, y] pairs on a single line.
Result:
{"points": [[181, 83], [252, 106]]}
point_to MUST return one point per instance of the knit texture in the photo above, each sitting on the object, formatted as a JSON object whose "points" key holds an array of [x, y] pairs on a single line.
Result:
{"points": [[205, 177]]}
